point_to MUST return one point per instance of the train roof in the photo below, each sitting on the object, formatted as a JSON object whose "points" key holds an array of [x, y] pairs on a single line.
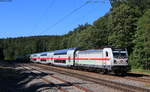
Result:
{"points": [[42, 53], [46, 52], [119, 49], [63, 51], [91, 50]]}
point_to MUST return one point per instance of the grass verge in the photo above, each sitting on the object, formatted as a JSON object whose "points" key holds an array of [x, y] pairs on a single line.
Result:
{"points": [[140, 71]]}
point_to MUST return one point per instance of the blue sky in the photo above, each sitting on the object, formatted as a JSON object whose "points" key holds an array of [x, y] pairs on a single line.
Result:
{"points": [[34, 17]]}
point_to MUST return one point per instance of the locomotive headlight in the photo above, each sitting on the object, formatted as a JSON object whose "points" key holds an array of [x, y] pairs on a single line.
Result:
{"points": [[121, 61], [115, 62]]}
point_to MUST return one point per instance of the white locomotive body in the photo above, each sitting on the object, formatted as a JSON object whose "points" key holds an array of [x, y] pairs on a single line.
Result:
{"points": [[106, 59], [100, 58]]}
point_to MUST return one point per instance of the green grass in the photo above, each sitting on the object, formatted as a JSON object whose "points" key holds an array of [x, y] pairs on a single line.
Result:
{"points": [[140, 71]]}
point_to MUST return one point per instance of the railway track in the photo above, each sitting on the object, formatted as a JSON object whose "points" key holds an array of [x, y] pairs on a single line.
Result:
{"points": [[79, 88], [110, 76], [111, 84], [144, 80], [133, 77]]}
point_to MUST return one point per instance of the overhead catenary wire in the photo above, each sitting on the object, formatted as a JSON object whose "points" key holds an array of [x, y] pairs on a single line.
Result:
{"points": [[69, 14], [43, 14]]}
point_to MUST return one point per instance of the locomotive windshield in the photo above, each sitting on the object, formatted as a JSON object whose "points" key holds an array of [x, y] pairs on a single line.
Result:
{"points": [[121, 55]]}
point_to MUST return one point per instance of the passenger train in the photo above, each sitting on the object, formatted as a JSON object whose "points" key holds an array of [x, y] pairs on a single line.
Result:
{"points": [[105, 59]]}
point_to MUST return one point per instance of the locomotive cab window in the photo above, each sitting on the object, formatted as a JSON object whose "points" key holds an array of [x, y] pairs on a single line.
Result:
{"points": [[117, 55], [106, 54]]}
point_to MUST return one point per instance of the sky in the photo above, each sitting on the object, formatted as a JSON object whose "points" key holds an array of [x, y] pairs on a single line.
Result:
{"points": [[19, 18]]}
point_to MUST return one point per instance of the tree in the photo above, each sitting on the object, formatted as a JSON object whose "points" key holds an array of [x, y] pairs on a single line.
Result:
{"points": [[102, 29], [141, 53], [123, 26], [1, 50], [142, 5]]}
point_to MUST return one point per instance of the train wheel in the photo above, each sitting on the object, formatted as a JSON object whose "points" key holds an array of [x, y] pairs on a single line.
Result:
{"points": [[123, 73], [104, 71]]}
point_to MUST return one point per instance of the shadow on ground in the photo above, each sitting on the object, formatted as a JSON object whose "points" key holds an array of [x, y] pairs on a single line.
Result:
{"points": [[25, 81]]}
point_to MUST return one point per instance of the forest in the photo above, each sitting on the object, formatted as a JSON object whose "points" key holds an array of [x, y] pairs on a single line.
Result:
{"points": [[126, 25]]}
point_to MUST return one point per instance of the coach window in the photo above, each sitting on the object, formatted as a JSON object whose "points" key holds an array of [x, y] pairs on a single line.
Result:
{"points": [[106, 54], [43, 59], [44, 55]]}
